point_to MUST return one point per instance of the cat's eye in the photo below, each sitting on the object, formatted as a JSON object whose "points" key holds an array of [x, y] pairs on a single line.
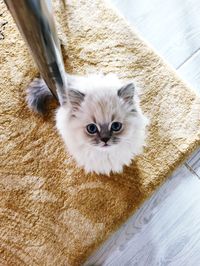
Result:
{"points": [[116, 126], [92, 128]]}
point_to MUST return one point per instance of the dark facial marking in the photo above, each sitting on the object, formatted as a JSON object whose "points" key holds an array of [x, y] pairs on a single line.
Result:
{"points": [[95, 141], [133, 111], [104, 133], [94, 119], [115, 140], [113, 117]]}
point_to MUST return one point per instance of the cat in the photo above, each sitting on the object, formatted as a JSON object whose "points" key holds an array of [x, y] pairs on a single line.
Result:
{"points": [[101, 122]]}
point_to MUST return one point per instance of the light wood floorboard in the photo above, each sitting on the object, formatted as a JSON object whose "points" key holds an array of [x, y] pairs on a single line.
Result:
{"points": [[172, 26], [164, 231]]}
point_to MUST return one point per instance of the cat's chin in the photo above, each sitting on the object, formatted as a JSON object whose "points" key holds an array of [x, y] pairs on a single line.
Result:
{"points": [[106, 160], [105, 147]]}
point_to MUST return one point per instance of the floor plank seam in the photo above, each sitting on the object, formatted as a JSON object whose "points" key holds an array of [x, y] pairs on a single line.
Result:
{"points": [[188, 58], [192, 170]]}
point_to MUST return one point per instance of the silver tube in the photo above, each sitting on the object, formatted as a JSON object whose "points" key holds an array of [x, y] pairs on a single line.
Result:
{"points": [[35, 21]]}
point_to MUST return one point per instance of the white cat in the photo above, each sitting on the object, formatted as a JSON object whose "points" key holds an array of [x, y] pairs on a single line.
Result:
{"points": [[101, 122]]}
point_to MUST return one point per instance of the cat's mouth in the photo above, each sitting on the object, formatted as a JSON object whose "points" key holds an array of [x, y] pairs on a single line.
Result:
{"points": [[106, 145]]}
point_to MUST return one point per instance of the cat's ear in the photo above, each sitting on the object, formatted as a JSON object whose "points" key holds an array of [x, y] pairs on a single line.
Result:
{"points": [[75, 98], [127, 93]]}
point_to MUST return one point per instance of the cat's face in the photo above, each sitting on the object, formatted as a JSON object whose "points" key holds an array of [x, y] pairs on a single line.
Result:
{"points": [[101, 123], [103, 120]]}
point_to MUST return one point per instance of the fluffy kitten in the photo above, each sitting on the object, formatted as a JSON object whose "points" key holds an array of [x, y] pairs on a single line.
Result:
{"points": [[101, 123]]}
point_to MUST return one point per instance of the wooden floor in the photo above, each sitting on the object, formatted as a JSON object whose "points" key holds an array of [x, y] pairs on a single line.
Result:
{"points": [[166, 229]]}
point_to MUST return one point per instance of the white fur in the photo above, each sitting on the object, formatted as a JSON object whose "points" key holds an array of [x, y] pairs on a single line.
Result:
{"points": [[101, 160]]}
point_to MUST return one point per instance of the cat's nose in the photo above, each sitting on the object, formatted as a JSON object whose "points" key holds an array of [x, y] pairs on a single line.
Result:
{"points": [[105, 139]]}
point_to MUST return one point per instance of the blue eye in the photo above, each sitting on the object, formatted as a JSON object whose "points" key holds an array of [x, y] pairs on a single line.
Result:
{"points": [[116, 126], [92, 129]]}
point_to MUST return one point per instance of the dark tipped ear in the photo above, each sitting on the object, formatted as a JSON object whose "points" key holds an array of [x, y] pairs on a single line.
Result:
{"points": [[75, 98], [127, 93]]}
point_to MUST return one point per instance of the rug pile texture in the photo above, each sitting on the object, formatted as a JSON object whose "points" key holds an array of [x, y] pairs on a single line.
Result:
{"points": [[51, 212]]}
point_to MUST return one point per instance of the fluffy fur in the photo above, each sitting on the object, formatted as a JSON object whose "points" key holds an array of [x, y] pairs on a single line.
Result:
{"points": [[101, 100], [38, 96]]}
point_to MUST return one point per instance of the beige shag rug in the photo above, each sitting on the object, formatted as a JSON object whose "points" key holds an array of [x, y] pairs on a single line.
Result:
{"points": [[51, 213]]}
